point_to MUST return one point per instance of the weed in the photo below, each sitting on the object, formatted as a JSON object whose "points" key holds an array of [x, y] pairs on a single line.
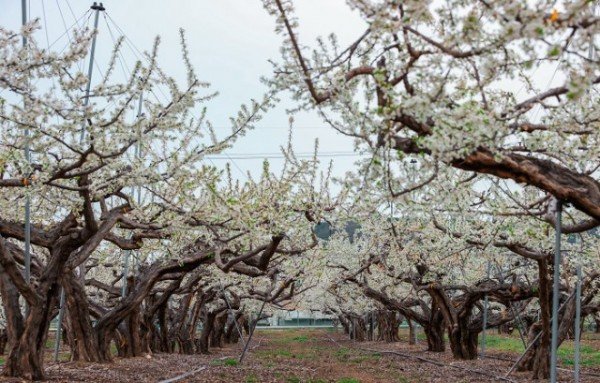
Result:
{"points": [[343, 353], [224, 362]]}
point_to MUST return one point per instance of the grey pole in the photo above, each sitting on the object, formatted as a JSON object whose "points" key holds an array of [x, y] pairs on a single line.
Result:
{"points": [[555, 293], [519, 324], [86, 99], [252, 331], [59, 324], [138, 147], [28, 157], [125, 272], [485, 314], [577, 324]]}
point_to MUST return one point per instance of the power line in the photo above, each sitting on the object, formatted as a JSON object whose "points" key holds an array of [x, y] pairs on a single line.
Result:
{"points": [[275, 156]]}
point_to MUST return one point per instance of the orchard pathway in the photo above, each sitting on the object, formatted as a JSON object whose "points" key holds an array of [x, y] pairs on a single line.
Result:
{"points": [[299, 355]]}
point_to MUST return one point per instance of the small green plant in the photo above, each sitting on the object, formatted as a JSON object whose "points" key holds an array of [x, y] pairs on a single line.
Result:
{"points": [[293, 379], [230, 362], [342, 353], [348, 380], [251, 379], [301, 338], [225, 362]]}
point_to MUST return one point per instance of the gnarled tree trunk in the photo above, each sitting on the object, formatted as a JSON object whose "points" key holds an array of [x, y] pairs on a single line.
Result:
{"points": [[81, 334], [387, 324], [434, 332], [537, 359]]}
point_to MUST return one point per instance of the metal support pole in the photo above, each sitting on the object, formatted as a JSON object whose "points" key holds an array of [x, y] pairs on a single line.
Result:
{"points": [[28, 158], [86, 99], [485, 314], [519, 323], [577, 355], [59, 325], [555, 294], [125, 272], [138, 147], [252, 331]]}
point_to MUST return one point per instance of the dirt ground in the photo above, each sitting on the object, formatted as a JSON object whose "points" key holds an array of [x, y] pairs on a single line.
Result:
{"points": [[294, 356]]}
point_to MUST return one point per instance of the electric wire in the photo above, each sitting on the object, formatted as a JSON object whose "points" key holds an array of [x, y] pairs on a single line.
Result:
{"points": [[139, 54], [65, 26]]}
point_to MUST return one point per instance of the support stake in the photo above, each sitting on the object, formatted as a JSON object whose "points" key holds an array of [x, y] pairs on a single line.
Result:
{"points": [[577, 355], [252, 331], [61, 311], [485, 314], [555, 294]]}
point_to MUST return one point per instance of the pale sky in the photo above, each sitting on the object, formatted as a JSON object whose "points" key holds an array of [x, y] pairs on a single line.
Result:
{"points": [[230, 42]]}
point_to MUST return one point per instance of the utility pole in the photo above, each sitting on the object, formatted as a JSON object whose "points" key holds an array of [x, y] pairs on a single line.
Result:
{"points": [[555, 293], [97, 8]]}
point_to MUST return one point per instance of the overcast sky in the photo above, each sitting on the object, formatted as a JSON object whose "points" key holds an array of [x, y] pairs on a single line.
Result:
{"points": [[230, 43]]}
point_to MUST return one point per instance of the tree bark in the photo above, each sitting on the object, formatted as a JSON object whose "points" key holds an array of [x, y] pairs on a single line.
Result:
{"points": [[537, 359], [82, 337], [387, 324], [434, 332], [12, 311], [25, 359]]}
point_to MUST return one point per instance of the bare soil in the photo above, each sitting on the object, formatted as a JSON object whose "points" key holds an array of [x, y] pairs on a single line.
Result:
{"points": [[294, 356]]}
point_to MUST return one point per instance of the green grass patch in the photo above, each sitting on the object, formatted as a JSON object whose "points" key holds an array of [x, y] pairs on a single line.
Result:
{"points": [[365, 358], [225, 362], [301, 338], [348, 380], [590, 357], [293, 379], [343, 353], [504, 343], [251, 379]]}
